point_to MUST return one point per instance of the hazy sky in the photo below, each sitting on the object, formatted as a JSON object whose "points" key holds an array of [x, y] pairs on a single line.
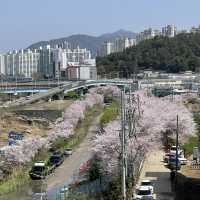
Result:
{"points": [[23, 22]]}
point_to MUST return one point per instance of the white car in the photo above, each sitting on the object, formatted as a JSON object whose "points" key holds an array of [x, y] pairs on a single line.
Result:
{"points": [[181, 158], [147, 183], [143, 192], [68, 152], [173, 150]]}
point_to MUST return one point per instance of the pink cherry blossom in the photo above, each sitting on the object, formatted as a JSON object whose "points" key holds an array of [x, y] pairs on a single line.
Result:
{"points": [[153, 117], [26, 149]]}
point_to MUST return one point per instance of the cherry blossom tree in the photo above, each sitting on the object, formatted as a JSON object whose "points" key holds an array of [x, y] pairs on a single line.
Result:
{"points": [[155, 116], [159, 115], [26, 149]]}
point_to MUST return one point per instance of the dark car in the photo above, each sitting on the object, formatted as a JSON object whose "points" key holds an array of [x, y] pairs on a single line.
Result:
{"points": [[39, 171], [172, 163], [56, 159]]}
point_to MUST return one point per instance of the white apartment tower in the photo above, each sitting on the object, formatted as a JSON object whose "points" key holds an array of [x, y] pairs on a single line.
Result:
{"points": [[77, 55], [2, 64], [23, 63], [107, 48], [147, 34], [169, 31]]}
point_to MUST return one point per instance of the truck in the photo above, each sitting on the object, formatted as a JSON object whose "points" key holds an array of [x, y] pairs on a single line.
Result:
{"points": [[40, 170], [13, 137]]}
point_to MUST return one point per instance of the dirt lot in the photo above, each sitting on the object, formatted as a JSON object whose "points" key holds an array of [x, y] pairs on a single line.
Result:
{"points": [[11, 122], [29, 126], [53, 105]]}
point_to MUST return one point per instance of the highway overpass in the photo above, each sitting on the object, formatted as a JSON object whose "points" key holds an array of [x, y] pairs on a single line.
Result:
{"points": [[60, 91]]}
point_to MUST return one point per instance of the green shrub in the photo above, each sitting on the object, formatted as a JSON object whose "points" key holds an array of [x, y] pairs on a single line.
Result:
{"points": [[72, 95], [188, 147], [95, 171], [110, 113]]}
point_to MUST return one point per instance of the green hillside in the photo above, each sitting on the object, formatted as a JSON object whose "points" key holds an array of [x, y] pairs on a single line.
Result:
{"points": [[177, 54]]}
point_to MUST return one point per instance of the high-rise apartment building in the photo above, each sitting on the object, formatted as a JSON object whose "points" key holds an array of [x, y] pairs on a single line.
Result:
{"points": [[42, 62], [60, 61], [118, 45], [106, 48], [46, 63], [147, 34], [169, 31], [195, 29], [2, 64], [122, 43], [21, 63], [77, 55]]}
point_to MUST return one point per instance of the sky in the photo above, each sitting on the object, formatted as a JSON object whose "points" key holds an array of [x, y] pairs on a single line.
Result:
{"points": [[24, 22]]}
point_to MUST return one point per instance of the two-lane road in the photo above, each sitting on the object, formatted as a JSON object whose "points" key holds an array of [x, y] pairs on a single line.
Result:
{"points": [[155, 170]]}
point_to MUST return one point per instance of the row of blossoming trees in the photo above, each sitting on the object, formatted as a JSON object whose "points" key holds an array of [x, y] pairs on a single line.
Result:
{"points": [[26, 149], [154, 116]]}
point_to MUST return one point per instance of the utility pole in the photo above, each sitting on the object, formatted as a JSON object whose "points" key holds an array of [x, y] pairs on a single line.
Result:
{"points": [[123, 157], [128, 130], [177, 144], [177, 138]]}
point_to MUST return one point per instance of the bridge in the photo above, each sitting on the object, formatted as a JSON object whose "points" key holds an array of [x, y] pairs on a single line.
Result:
{"points": [[60, 91]]}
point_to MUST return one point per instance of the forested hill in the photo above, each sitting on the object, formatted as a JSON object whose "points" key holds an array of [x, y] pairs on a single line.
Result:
{"points": [[176, 54]]}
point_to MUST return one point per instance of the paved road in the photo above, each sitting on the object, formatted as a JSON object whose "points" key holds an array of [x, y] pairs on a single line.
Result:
{"points": [[155, 170], [65, 174]]}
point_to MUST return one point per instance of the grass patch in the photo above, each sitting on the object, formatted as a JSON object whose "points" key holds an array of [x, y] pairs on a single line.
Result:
{"points": [[20, 176], [110, 113], [193, 140], [188, 146]]}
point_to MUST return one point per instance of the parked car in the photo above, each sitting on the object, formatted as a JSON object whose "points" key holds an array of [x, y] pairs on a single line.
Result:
{"points": [[40, 170], [147, 183], [68, 152], [172, 163], [144, 192], [181, 158], [56, 159], [173, 150]]}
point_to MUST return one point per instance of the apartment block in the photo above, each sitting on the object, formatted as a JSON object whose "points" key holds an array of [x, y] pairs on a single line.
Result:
{"points": [[169, 31]]}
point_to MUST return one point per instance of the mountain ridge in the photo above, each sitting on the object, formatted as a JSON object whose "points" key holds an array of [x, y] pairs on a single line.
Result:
{"points": [[89, 42]]}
